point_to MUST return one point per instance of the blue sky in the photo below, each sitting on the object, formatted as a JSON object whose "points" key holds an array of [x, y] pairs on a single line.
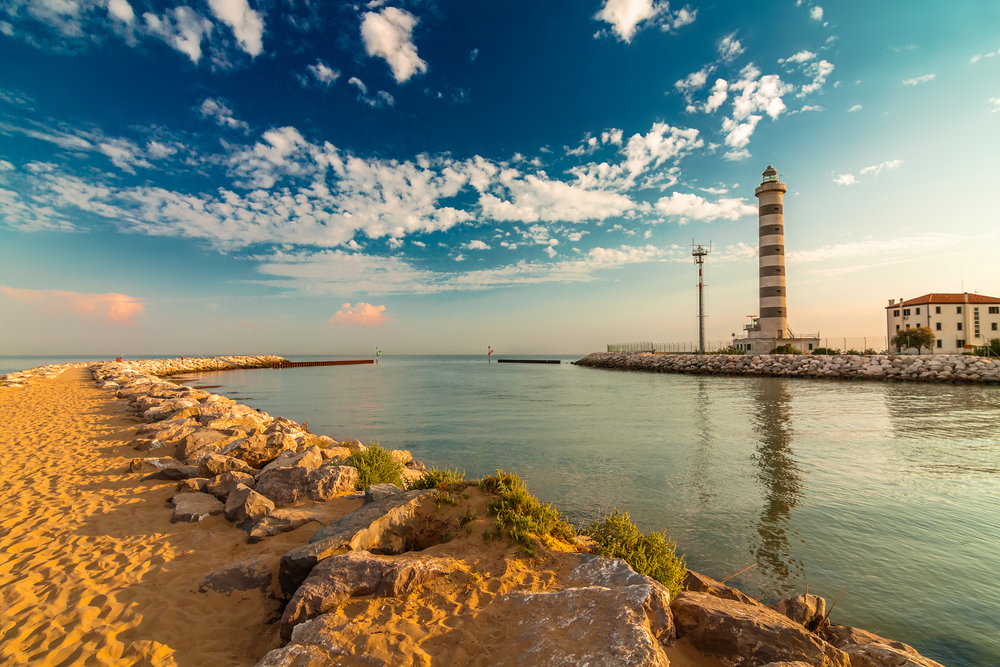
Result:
{"points": [[310, 177]]}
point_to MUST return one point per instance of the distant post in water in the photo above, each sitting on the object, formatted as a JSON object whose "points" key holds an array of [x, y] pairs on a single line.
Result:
{"points": [[377, 352], [699, 252]]}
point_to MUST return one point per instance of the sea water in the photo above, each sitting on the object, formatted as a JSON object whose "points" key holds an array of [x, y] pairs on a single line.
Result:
{"points": [[886, 493]]}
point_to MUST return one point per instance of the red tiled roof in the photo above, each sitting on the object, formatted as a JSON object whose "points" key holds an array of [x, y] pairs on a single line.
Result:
{"points": [[946, 298]]}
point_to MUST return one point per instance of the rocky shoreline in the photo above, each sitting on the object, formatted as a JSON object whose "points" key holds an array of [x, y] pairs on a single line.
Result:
{"points": [[952, 369], [426, 555]]}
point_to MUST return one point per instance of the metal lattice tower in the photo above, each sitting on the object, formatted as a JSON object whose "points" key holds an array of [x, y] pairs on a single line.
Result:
{"points": [[698, 252]]}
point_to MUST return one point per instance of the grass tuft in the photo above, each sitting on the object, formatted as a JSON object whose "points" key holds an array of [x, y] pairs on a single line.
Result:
{"points": [[652, 554], [375, 466], [447, 481], [522, 514]]}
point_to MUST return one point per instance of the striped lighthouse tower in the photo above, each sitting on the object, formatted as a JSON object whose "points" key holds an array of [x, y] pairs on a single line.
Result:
{"points": [[773, 307]]}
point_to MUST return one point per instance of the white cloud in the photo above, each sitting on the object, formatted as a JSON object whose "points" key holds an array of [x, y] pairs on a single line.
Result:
{"points": [[920, 79], [737, 133], [877, 169], [819, 71], [460, 258], [221, 114], [476, 244], [181, 28], [612, 136], [535, 197], [124, 154], [473, 55], [717, 97], [626, 15], [763, 94], [389, 35], [729, 47], [323, 73], [845, 179], [808, 107], [694, 81], [684, 16], [8, 29], [691, 206], [734, 156], [715, 191], [995, 101], [246, 24], [816, 13], [121, 10], [551, 251], [856, 107], [355, 81], [6, 166], [800, 57]]}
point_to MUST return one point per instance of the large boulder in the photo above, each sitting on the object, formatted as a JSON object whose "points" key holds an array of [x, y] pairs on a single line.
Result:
{"points": [[153, 464], [807, 610], [245, 504], [200, 440], [336, 579], [282, 521], [259, 449], [869, 650], [221, 485], [747, 635], [285, 486], [216, 464], [336, 453], [309, 458], [387, 526], [378, 492], [328, 481], [699, 583], [195, 507], [247, 575], [173, 474]]}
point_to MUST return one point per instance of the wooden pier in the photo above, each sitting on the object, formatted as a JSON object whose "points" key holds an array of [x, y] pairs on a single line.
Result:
{"points": [[528, 361], [303, 364]]}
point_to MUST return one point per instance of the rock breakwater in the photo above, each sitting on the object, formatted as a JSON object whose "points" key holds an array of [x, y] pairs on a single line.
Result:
{"points": [[907, 368]]}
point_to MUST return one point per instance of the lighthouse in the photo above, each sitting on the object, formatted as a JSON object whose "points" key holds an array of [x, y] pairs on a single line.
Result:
{"points": [[769, 329], [773, 305]]}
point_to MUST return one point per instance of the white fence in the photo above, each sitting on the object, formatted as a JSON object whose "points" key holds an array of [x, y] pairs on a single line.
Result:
{"points": [[842, 344]]}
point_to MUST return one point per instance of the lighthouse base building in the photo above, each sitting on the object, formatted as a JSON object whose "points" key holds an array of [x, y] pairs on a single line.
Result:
{"points": [[769, 330]]}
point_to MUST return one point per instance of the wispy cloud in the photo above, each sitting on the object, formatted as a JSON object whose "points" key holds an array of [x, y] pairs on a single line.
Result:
{"points": [[688, 206], [389, 35], [111, 307], [221, 115], [247, 25], [628, 17], [845, 179], [877, 169], [918, 80], [856, 107], [363, 314]]}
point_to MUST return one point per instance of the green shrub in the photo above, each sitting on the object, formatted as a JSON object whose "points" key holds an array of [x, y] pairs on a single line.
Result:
{"points": [[449, 481], [522, 514], [652, 554], [786, 349], [826, 350], [376, 466]]}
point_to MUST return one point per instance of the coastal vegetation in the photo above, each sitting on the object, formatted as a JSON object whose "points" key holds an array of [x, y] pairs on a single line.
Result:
{"points": [[916, 337], [522, 515], [653, 554], [376, 466]]}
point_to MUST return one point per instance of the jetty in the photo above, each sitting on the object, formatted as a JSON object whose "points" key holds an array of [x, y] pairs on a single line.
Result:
{"points": [[304, 364], [528, 361]]}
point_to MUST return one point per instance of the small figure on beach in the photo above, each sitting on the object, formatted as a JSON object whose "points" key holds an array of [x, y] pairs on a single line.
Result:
{"points": [[118, 359], [377, 352], [489, 354]]}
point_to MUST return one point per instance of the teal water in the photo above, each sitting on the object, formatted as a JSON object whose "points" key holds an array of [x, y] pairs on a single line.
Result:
{"points": [[890, 491]]}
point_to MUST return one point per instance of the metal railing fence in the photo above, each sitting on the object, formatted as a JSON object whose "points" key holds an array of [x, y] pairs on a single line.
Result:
{"points": [[835, 345]]}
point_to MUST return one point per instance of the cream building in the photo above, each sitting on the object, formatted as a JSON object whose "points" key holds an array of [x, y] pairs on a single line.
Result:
{"points": [[959, 322]]}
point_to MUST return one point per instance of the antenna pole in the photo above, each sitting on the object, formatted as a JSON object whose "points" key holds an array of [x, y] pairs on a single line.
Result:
{"points": [[699, 252]]}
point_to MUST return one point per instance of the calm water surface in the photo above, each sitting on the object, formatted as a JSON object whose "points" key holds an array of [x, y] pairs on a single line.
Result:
{"points": [[888, 490]]}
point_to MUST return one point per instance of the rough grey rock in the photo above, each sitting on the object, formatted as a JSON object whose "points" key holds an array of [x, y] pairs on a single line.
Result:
{"points": [[221, 485], [401, 456], [386, 526], [193, 485], [806, 610], [699, 583], [243, 576], [336, 453], [145, 465], [285, 486], [377, 492], [328, 481], [310, 458], [173, 474], [245, 504], [216, 464], [867, 649], [744, 635], [194, 507], [258, 449], [282, 521], [200, 440], [356, 573]]}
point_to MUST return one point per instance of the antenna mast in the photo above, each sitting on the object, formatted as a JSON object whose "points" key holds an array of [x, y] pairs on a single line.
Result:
{"points": [[698, 252]]}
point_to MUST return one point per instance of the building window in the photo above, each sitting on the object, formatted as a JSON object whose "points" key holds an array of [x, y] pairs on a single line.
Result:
{"points": [[937, 310], [918, 311], [897, 327], [959, 326], [811, 345], [939, 326], [959, 310], [960, 343], [994, 310], [939, 344], [907, 326], [895, 313], [906, 312], [994, 326]]}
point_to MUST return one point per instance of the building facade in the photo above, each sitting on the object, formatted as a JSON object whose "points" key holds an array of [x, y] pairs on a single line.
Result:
{"points": [[959, 322], [770, 329]]}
